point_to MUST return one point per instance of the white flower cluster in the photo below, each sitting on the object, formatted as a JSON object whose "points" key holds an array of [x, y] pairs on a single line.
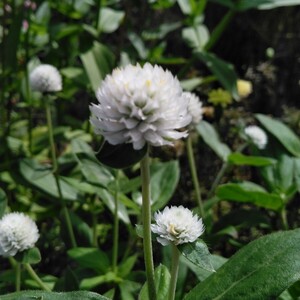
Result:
{"points": [[17, 233], [194, 107], [177, 225], [257, 136], [140, 105], [45, 78]]}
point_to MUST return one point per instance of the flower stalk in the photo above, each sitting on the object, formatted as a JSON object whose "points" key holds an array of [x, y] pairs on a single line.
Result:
{"points": [[146, 215], [55, 173], [18, 276], [174, 272], [195, 180], [36, 278], [116, 229]]}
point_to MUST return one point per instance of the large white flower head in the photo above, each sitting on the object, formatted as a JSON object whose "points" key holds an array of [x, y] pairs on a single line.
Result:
{"points": [[18, 232], [194, 107], [177, 225], [45, 78], [140, 105], [257, 136]]}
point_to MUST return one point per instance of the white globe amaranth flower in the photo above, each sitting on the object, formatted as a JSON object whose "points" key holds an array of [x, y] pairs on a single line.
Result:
{"points": [[194, 107], [140, 105], [45, 78], [257, 136], [177, 225], [18, 232]]}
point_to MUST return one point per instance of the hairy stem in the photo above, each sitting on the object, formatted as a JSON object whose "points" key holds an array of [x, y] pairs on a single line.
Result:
{"points": [[193, 169], [146, 215], [174, 272], [55, 173]]}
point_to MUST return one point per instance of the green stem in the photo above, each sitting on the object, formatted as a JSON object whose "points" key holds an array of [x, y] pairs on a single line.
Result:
{"points": [[219, 29], [218, 179], [95, 221], [193, 169], [146, 214], [36, 278], [116, 230], [285, 224], [174, 272], [18, 276], [55, 173]]}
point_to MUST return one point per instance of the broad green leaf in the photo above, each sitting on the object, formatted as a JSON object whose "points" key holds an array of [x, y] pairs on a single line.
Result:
{"points": [[249, 192], [223, 70], [163, 183], [120, 156], [109, 201], [198, 254], [282, 132], [196, 36], [126, 266], [109, 20], [3, 202], [98, 62], [41, 177], [162, 283], [75, 74], [261, 270], [243, 5], [191, 84], [212, 139], [41, 295], [92, 258], [216, 261], [129, 289], [257, 161]]}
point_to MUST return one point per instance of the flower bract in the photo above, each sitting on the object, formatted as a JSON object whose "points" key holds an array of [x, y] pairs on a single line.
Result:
{"points": [[177, 225], [140, 105], [194, 107], [45, 78], [18, 232], [257, 136]]}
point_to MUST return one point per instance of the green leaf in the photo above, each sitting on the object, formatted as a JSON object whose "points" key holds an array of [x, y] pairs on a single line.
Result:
{"points": [[196, 36], [278, 3], [97, 62], [92, 258], [163, 183], [3, 202], [240, 159], [198, 254], [222, 70], [261, 270], [41, 177], [30, 256], [126, 266], [212, 139], [120, 156], [89, 283], [249, 192], [297, 173], [283, 133], [109, 20], [41, 295], [162, 283]]}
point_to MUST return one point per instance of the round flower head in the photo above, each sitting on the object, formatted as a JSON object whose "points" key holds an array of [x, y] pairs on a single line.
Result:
{"points": [[177, 225], [194, 107], [244, 88], [45, 78], [140, 105], [257, 136], [17, 233]]}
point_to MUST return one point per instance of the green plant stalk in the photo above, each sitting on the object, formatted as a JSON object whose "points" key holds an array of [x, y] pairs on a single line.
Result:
{"points": [[219, 29], [18, 276], [146, 215], [36, 278], [116, 230], [193, 169], [217, 180], [55, 173], [283, 217], [174, 272]]}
